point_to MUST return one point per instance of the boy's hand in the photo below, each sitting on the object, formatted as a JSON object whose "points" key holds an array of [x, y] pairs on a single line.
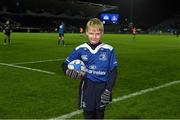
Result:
{"points": [[74, 74], [106, 97]]}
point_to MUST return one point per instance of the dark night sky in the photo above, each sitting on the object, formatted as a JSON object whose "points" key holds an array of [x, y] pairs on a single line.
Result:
{"points": [[143, 12], [146, 12], [151, 11]]}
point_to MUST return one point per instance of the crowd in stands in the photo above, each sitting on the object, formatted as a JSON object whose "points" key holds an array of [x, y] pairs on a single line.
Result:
{"points": [[47, 15], [38, 20], [170, 26]]}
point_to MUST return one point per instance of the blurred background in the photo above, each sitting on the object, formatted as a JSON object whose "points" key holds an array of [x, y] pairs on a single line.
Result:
{"points": [[149, 16]]}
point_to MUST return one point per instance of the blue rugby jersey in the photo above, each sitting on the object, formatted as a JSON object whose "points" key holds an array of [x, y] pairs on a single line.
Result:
{"points": [[99, 62]]}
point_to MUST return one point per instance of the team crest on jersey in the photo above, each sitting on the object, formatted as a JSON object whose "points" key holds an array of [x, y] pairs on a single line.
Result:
{"points": [[103, 56], [84, 57]]}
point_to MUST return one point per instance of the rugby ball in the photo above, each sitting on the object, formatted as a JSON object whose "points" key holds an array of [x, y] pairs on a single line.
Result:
{"points": [[77, 65]]}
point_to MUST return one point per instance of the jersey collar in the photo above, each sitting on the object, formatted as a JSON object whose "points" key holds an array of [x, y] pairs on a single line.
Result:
{"points": [[96, 49]]}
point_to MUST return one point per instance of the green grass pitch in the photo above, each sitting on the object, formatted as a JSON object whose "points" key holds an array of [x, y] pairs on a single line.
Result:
{"points": [[146, 62]]}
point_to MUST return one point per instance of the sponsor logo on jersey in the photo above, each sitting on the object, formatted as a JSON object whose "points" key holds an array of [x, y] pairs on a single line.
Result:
{"points": [[84, 57], [96, 72]]}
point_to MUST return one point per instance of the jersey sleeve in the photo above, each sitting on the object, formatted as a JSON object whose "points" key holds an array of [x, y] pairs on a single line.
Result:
{"points": [[73, 56], [112, 79], [112, 73], [112, 60]]}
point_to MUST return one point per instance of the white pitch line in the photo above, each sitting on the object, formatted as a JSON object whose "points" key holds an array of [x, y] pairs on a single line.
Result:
{"points": [[37, 61], [144, 91], [69, 115], [27, 68]]}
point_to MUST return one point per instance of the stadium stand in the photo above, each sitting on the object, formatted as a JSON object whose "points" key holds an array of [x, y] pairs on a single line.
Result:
{"points": [[170, 26], [46, 15]]}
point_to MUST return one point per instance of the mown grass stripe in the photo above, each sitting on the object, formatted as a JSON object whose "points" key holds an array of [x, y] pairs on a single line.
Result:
{"points": [[69, 115]]}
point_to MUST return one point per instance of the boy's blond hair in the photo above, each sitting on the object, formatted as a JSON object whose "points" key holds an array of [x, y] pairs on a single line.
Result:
{"points": [[95, 23]]}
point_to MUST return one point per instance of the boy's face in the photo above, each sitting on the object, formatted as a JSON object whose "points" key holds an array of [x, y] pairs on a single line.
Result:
{"points": [[94, 35]]}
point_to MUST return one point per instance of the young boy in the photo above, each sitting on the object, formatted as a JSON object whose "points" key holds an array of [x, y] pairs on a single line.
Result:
{"points": [[101, 71]]}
